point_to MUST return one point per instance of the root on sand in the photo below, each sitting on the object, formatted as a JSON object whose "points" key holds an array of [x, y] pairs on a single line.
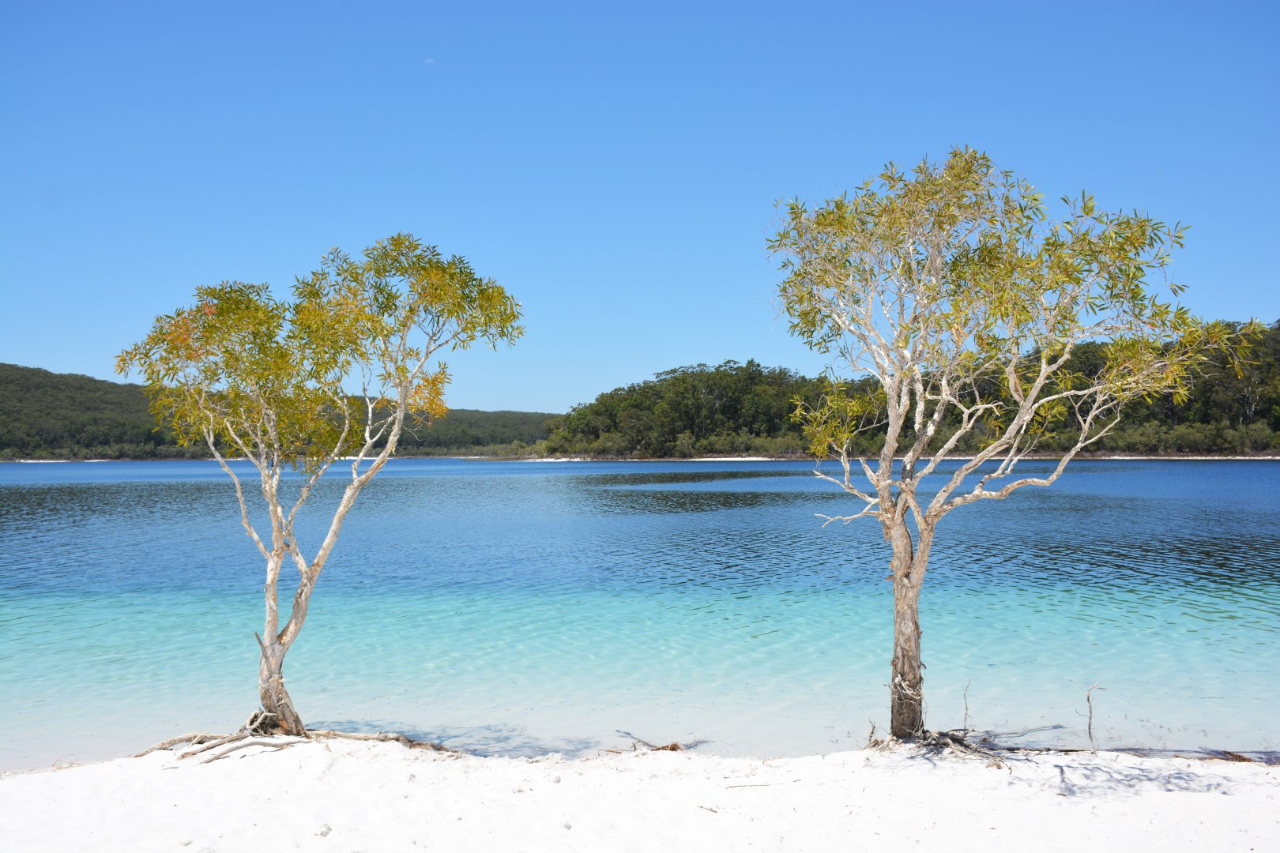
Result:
{"points": [[954, 742], [260, 730]]}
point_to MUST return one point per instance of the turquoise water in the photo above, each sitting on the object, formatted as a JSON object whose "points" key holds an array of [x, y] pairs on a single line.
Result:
{"points": [[519, 608]]}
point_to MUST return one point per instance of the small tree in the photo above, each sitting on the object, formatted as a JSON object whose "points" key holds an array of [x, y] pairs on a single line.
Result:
{"points": [[961, 306], [253, 376]]}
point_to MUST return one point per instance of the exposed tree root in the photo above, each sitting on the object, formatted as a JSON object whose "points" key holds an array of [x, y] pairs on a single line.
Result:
{"points": [[275, 743], [953, 741], [261, 730], [214, 744], [190, 740], [262, 723]]}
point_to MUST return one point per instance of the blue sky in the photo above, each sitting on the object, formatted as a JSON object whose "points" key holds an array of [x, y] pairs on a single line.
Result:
{"points": [[616, 166]]}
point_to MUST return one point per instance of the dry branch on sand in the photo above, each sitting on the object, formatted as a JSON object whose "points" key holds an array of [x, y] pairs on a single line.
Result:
{"points": [[636, 743]]}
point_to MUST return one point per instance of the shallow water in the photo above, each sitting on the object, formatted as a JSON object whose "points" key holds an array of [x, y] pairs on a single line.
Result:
{"points": [[519, 608]]}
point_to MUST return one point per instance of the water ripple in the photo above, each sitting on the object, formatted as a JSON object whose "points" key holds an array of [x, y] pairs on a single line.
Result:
{"points": [[522, 608]]}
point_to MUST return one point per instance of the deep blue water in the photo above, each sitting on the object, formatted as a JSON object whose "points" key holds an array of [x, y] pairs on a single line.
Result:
{"points": [[523, 607]]}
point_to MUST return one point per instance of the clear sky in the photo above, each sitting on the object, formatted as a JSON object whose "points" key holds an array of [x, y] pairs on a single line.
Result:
{"points": [[614, 165]]}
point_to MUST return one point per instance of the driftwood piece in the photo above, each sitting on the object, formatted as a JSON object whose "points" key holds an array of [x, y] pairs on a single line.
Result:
{"points": [[384, 736], [274, 743], [214, 744], [651, 747]]}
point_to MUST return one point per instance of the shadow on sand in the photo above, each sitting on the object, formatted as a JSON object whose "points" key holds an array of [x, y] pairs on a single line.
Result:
{"points": [[488, 740], [1078, 772]]}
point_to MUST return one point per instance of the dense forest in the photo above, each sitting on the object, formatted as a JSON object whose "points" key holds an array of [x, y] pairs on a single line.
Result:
{"points": [[1224, 413], [744, 409], [47, 415], [729, 409], [473, 432]]}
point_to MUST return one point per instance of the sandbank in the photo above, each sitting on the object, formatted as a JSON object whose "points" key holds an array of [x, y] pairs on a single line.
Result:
{"points": [[344, 796]]}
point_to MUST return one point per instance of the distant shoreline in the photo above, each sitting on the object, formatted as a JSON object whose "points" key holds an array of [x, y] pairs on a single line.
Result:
{"points": [[1099, 457]]}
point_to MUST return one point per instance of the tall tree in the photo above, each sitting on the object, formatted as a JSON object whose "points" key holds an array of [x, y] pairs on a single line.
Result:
{"points": [[266, 379], [951, 289]]}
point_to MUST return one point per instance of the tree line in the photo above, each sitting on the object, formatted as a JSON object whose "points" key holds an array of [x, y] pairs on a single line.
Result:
{"points": [[1231, 407], [728, 409], [746, 409], [46, 415]]}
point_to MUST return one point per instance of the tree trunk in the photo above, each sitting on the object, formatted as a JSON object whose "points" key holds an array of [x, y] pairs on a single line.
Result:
{"points": [[906, 695], [275, 699]]}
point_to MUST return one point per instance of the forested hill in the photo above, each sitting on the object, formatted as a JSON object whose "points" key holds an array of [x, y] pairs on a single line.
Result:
{"points": [[731, 408], [735, 408], [47, 415], [471, 431]]}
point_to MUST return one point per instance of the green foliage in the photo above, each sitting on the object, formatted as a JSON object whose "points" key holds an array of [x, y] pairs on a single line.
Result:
{"points": [[265, 377], [690, 411], [950, 287], [1231, 406]]}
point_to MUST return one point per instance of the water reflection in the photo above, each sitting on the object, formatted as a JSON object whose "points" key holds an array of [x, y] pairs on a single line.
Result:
{"points": [[636, 501], [667, 478]]}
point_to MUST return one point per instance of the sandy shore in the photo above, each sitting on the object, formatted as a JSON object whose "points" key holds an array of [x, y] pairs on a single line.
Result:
{"points": [[348, 796]]}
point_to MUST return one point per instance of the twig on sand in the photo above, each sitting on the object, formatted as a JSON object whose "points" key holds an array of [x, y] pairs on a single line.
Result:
{"points": [[991, 736], [670, 747], [1088, 697], [384, 737]]}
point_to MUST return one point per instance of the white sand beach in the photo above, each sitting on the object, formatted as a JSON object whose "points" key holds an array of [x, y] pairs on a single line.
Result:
{"points": [[338, 795]]}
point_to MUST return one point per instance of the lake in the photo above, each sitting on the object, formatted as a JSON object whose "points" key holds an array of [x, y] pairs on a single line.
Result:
{"points": [[521, 607]]}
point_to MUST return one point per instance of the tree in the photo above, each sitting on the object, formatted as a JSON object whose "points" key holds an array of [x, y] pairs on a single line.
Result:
{"points": [[963, 304], [250, 375]]}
